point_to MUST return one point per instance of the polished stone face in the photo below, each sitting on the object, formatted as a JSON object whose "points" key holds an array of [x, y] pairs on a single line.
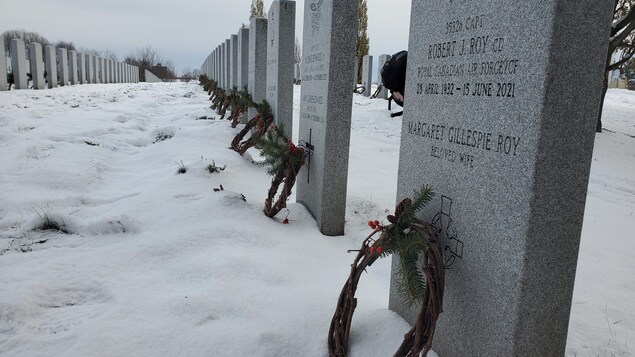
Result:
{"points": [[328, 54], [500, 107]]}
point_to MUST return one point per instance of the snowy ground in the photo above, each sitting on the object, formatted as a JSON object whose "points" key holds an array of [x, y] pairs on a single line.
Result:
{"points": [[157, 263]]}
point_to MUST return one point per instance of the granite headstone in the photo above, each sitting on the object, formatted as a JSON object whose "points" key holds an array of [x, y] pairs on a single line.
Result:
{"points": [[226, 60], [18, 64], [233, 61], [383, 93], [330, 35], [502, 98], [243, 57], [257, 75], [72, 64], [81, 59], [367, 75], [37, 65], [51, 66], [3, 66], [280, 60], [62, 66]]}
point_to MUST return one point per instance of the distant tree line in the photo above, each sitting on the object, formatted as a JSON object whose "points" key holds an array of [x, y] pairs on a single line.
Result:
{"points": [[148, 58], [145, 57]]}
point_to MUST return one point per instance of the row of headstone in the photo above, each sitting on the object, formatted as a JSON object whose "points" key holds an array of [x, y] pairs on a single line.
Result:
{"points": [[66, 67], [502, 98], [367, 75], [261, 59]]}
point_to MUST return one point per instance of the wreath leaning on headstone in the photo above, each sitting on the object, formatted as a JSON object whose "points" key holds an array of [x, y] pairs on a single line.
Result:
{"points": [[422, 281], [285, 160], [241, 101], [260, 122]]}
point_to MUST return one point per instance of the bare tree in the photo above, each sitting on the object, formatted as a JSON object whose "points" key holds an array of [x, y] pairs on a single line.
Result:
{"points": [[257, 9], [27, 37], [108, 54], [67, 45], [621, 44], [148, 57]]}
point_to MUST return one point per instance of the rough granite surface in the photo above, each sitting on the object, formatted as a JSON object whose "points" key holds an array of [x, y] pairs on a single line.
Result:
{"points": [[280, 62], [18, 64], [328, 55], [37, 65], [499, 118]]}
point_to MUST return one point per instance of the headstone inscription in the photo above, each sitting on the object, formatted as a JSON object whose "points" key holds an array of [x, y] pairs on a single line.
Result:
{"points": [[18, 64], [62, 66], [383, 93], [51, 66], [37, 65], [3, 66], [72, 63], [502, 103], [280, 44], [257, 75], [367, 75], [330, 36]]}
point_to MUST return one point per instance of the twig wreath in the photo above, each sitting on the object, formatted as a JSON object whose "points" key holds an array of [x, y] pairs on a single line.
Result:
{"points": [[261, 122], [285, 160], [283, 157], [422, 281]]}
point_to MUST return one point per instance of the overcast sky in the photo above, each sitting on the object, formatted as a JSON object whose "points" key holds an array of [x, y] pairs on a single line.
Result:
{"points": [[184, 31]]}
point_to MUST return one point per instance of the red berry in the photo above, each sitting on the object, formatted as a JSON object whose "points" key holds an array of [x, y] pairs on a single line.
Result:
{"points": [[380, 249], [372, 249], [371, 224], [376, 223], [286, 221]]}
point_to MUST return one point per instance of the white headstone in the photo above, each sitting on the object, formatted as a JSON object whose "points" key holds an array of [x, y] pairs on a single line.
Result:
{"points": [[37, 65], [62, 66], [3, 66], [367, 75], [51, 66], [280, 60], [81, 59], [72, 63], [18, 64]]}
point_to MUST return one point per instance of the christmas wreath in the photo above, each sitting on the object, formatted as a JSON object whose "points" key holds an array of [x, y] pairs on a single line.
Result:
{"points": [[284, 159], [241, 101], [422, 280], [260, 122]]}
